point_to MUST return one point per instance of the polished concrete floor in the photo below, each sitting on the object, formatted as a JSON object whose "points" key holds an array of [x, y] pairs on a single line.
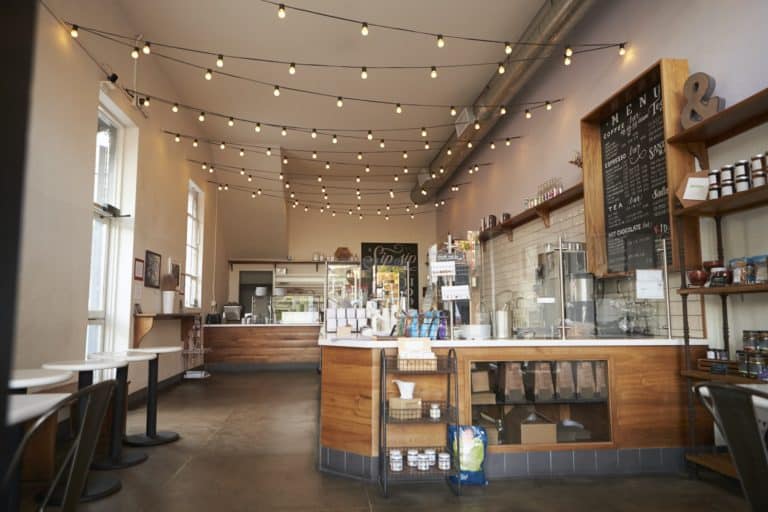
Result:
{"points": [[249, 441]]}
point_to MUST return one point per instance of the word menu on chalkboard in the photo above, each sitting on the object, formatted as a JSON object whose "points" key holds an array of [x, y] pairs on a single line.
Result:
{"points": [[635, 181]]}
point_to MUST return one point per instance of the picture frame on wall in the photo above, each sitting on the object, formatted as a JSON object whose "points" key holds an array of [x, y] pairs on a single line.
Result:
{"points": [[152, 262], [138, 269]]}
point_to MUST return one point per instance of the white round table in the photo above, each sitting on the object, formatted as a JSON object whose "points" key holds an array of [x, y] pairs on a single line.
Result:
{"points": [[152, 437], [117, 458], [101, 486], [21, 380]]}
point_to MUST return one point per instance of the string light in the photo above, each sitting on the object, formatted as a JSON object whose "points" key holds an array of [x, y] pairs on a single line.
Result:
{"points": [[507, 142], [334, 213], [231, 122], [423, 192], [242, 172], [370, 135], [441, 170], [253, 195], [250, 179], [175, 108], [405, 154], [391, 196], [359, 156], [568, 51], [319, 179], [146, 49], [258, 192], [269, 151], [195, 143], [528, 114], [220, 61], [177, 138], [378, 211], [469, 144], [285, 161], [477, 125], [423, 132], [507, 48], [339, 102], [449, 151], [276, 90], [502, 110], [357, 179], [201, 117], [73, 32], [314, 133], [287, 185], [426, 144], [135, 53], [257, 128], [453, 111], [284, 131], [210, 170], [477, 168], [386, 217], [433, 72], [364, 29], [327, 165], [501, 68], [388, 207], [398, 109], [440, 41], [335, 139], [567, 60], [548, 105], [364, 73], [314, 155], [367, 168], [405, 170], [381, 143], [622, 49], [493, 145], [396, 177], [281, 11], [222, 146], [208, 74], [292, 69]]}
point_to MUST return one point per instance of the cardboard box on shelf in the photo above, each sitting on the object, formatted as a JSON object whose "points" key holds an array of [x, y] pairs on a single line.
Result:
{"points": [[405, 408], [484, 398], [538, 429], [511, 383], [480, 381]]}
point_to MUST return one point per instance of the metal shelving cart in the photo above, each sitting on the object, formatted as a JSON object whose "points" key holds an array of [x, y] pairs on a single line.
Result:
{"points": [[449, 415]]}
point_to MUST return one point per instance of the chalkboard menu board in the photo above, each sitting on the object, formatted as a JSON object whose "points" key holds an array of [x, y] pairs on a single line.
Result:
{"points": [[635, 181], [379, 253]]}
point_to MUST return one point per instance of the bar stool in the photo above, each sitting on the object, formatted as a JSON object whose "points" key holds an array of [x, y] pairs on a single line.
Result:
{"points": [[22, 380], [117, 458], [152, 437], [98, 486]]}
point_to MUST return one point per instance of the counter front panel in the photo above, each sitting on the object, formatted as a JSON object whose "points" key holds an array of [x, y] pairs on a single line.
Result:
{"points": [[262, 344]]}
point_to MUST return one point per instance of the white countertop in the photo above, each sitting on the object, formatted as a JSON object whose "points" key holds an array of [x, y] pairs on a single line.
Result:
{"points": [[25, 407], [367, 342], [315, 324]]}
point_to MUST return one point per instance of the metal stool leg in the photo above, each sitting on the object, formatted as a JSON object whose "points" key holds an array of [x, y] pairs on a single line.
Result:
{"points": [[118, 459], [152, 436]]}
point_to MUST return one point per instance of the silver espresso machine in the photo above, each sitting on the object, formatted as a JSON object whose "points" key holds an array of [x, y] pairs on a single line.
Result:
{"points": [[564, 291]]}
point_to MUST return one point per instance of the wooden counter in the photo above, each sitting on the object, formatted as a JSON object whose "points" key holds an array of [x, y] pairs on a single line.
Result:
{"points": [[262, 344], [647, 396]]}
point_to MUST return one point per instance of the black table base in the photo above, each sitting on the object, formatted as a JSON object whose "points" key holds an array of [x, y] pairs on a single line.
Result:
{"points": [[152, 437], [98, 486], [157, 439], [126, 460]]}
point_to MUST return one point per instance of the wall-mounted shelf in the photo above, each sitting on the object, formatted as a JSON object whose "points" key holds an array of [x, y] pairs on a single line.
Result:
{"points": [[540, 211], [727, 123], [736, 289], [143, 323], [700, 376], [740, 201]]}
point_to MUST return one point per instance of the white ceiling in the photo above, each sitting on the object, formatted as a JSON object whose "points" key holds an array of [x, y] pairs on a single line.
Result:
{"points": [[250, 27]]}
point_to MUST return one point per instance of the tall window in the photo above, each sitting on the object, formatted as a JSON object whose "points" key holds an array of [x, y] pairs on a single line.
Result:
{"points": [[193, 269], [105, 191]]}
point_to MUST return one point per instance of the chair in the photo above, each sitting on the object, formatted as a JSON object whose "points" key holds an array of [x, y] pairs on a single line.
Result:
{"points": [[733, 410], [92, 401]]}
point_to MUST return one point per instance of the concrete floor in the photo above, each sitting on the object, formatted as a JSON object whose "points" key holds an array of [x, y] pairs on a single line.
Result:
{"points": [[249, 441]]}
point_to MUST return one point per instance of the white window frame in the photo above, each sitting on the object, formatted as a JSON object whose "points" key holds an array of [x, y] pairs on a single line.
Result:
{"points": [[194, 270]]}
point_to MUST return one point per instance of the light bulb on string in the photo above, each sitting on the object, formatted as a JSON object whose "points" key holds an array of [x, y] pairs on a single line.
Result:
{"points": [[287, 185], [503, 110], [258, 192], [276, 90], [292, 69], [314, 155], [423, 192], [358, 207], [622, 50], [426, 144], [367, 168], [306, 209], [314, 133], [370, 135], [359, 156], [285, 160], [360, 217], [220, 61], [146, 102], [567, 60], [210, 170], [146, 50], [231, 122], [405, 154], [319, 179], [477, 168], [364, 29], [386, 217], [501, 69], [507, 48], [242, 152], [253, 195], [175, 108], [477, 125], [335, 139], [364, 73], [284, 131], [388, 207], [135, 53], [242, 172], [469, 144], [507, 142], [195, 143], [548, 105], [257, 128], [177, 138], [269, 151], [449, 151], [423, 132], [397, 178], [493, 145], [433, 175], [568, 51], [327, 165], [405, 170], [357, 179], [381, 144], [433, 72], [440, 41], [226, 187], [441, 170], [398, 109], [528, 114], [201, 117], [453, 111], [339, 102], [281, 11], [74, 31], [378, 211], [333, 214], [292, 195]]}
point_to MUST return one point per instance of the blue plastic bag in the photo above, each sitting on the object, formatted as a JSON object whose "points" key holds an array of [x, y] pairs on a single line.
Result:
{"points": [[474, 447]]}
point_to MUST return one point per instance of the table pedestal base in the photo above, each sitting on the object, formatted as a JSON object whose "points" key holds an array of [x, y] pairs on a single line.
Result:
{"points": [[98, 486], [126, 460], [151, 440]]}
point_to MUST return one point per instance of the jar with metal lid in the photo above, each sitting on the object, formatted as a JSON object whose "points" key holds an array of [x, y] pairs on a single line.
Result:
{"points": [[756, 365], [762, 344], [431, 455], [395, 461], [741, 168], [422, 463], [742, 184], [714, 176], [741, 357], [444, 461], [434, 411], [413, 457], [714, 192], [749, 341], [726, 173], [758, 165], [726, 187]]}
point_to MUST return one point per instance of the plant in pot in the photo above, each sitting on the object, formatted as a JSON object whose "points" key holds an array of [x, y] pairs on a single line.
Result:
{"points": [[168, 287]]}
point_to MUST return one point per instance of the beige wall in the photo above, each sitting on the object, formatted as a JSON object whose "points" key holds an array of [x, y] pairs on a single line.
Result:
{"points": [[310, 232]]}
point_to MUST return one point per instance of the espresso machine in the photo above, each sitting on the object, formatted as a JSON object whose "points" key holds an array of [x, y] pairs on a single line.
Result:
{"points": [[564, 291]]}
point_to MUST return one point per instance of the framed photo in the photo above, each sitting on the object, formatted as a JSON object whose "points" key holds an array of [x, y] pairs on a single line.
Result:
{"points": [[176, 273], [151, 269], [138, 269]]}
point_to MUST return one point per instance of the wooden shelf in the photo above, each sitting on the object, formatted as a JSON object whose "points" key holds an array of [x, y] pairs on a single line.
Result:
{"points": [[706, 376], [540, 211], [143, 323], [727, 123], [738, 202], [166, 316], [736, 289], [718, 462]]}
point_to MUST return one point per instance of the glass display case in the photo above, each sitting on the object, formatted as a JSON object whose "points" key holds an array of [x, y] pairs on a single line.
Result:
{"points": [[390, 285], [542, 402], [345, 297], [296, 308]]}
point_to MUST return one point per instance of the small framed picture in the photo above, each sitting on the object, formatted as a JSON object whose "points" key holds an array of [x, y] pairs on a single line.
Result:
{"points": [[138, 269], [152, 269]]}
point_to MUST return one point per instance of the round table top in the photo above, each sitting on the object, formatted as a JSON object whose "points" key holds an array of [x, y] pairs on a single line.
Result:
{"points": [[25, 407], [22, 379], [85, 365], [131, 356], [159, 350]]}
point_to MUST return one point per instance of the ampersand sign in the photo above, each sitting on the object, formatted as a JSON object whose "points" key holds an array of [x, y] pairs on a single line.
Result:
{"points": [[700, 104]]}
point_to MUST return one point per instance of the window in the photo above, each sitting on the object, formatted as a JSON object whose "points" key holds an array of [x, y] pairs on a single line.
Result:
{"points": [[105, 191], [193, 269]]}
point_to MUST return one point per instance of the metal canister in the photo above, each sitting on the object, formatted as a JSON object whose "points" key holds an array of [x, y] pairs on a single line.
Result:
{"points": [[714, 177], [741, 169], [742, 184], [759, 168], [726, 173], [726, 187], [714, 192]]}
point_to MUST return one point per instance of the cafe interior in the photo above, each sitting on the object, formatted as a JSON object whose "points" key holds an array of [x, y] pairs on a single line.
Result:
{"points": [[384, 255]]}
